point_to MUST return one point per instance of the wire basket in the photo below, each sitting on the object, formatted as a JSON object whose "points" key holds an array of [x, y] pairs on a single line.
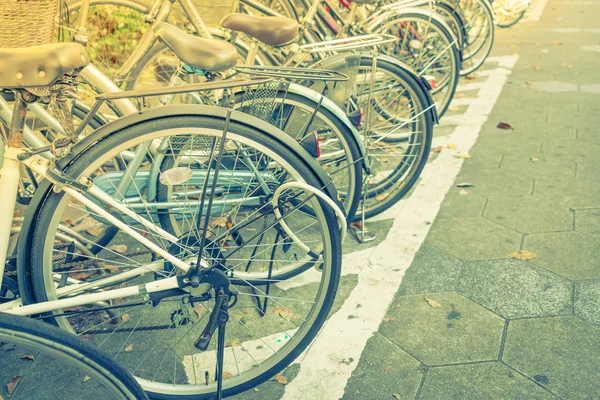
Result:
{"points": [[25, 23], [260, 101]]}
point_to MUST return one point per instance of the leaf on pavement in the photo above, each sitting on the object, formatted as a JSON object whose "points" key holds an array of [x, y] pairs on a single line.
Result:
{"points": [[113, 268], [463, 192], [227, 374], [281, 379], [387, 319], [119, 248], [12, 385], [125, 317], [396, 395], [504, 125], [533, 159], [464, 184], [200, 310], [463, 156], [128, 348], [432, 302], [528, 83], [437, 149], [27, 357], [86, 378], [535, 68], [284, 313], [523, 255], [471, 77], [382, 196], [451, 146], [452, 108]]}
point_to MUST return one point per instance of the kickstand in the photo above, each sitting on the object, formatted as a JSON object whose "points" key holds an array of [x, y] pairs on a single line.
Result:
{"points": [[220, 356], [359, 230]]}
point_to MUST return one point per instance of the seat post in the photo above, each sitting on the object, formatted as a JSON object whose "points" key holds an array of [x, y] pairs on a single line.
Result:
{"points": [[15, 133]]}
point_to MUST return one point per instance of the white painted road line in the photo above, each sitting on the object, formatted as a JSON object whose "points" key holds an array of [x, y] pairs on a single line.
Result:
{"points": [[328, 364]]}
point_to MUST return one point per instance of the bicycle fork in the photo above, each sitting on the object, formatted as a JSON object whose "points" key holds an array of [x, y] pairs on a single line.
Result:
{"points": [[10, 175]]}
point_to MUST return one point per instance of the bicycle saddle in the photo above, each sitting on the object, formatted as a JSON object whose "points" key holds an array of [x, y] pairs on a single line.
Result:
{"points": [[205, 54], [39, 65], [274, 31]]}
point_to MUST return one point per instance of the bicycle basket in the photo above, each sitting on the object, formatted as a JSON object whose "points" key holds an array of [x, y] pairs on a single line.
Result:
{"points": [[25, 23], [260, 101]]}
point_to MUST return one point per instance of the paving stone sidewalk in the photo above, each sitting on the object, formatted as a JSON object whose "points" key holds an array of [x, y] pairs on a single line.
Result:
{"points": [[508, 328]]}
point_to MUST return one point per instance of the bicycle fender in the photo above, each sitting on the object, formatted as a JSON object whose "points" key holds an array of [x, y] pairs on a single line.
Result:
{"points": [[337, 63], [330, 106]]}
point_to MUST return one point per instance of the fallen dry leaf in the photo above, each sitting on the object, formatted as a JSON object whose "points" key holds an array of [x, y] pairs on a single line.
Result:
{"points": [[451, 146], [452, 108], [437, 149], [535, 68], [125, 317], [128, 348], [27, 357], [284, 313], [119, 248], [235, 343], [432, 303], [200, 310], [396, 396], [533, 159], [471, 77], [12, 385], [80, 276], [463, 192], [86, 378], [464, 184], [387, 319], [227, 374], [281, 379], [112, 268], [504, 125], [357, 391], [528, 83], [463, 156], [459, 96], [523, 255], [382, 196]]}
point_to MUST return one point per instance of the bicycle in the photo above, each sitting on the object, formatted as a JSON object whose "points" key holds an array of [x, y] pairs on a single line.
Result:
{"points": [[43, 362], [260, 198]]}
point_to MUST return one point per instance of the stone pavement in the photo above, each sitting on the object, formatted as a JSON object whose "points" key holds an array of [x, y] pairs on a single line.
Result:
{"points": [[496, 327], [508, 328]]}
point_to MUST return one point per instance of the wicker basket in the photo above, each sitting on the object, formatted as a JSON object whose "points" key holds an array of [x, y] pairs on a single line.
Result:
{"points": [[25, 23]]}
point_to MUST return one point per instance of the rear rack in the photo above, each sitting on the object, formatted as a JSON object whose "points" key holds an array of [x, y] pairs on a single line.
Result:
{"points": [[293, 73]]}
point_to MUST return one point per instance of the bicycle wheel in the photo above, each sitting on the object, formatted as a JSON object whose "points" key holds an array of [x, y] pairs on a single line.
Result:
{"points": [[399, 130], [270, 324], [298, 115], [42, 362], [479, 25], [429, 48], [509, 12]]}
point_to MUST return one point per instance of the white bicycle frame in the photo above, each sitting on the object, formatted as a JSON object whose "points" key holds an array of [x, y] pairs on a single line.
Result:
{"points": [[9, 181]]}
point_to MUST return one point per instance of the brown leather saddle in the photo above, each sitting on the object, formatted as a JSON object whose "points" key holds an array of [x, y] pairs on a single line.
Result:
{"points": [[206, 54], [39, 65], [274, 31]]}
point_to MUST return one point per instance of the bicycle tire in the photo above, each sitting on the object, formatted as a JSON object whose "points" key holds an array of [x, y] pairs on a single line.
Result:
{"points": [[446, 85], [55, 343], [308, 328], [474, 53]]}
